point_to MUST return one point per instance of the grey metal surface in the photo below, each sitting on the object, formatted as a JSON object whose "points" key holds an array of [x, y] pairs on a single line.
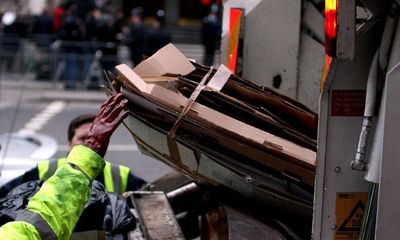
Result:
{"points": [[346, 30], [157, 220], [311, 54], [271, 41], [338, 136], [274, 45], [388, 207]]}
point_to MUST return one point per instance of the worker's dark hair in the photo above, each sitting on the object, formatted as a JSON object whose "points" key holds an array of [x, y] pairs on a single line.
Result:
{"points": [[77, 122]]}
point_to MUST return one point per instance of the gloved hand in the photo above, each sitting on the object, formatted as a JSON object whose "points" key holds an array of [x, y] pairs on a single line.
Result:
{"points": [[107, 120]]}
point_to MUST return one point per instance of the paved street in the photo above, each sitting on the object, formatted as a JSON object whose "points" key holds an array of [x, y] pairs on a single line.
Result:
{"points": [[25, 104], [22, 99]]}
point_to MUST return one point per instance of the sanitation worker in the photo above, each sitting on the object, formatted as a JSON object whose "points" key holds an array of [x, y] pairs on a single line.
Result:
{"points": [[117, 179], [54, 210]]}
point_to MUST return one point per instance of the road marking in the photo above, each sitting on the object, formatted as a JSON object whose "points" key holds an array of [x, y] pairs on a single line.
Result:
{"points": [[41, 119], [115, 148], [5, 105]]}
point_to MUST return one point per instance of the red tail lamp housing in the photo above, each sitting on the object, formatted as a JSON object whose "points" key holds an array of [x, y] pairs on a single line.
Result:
{"points": [[331, 7], [235, 22]]}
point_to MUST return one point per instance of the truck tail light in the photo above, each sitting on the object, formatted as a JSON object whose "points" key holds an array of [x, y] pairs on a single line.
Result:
{"points": [[235, 22], [330, 27]]}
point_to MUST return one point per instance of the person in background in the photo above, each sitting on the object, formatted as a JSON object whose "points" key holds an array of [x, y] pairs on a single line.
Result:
{"points": [[54, 210], [211, 35], [135, 35], [14, 32], [158, 35], [43, 29], [70, 33], [118, 179], [43, 36], [58, 14], [107, 39], [90, 46]]}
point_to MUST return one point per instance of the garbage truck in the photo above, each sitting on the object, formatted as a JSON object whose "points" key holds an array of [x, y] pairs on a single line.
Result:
{"points": [[256, 160], [263, 183], [348, 72], [294, 137], [340, 58]]}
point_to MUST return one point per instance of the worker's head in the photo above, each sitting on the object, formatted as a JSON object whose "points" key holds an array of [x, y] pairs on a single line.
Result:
{"points": [[79, 128]]}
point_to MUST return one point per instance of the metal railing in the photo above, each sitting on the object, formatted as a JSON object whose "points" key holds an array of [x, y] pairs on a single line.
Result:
{"points": [[44, 58], [75, 63]]}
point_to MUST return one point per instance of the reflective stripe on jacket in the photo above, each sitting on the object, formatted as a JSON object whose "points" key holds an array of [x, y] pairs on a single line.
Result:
{"points": [[54, 210], [115, 177]]}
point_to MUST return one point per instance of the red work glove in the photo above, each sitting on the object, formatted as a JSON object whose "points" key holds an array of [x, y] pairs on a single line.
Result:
{"points": [[107, 120]]}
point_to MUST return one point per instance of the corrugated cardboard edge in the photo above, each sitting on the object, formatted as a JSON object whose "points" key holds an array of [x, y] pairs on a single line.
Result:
{"points": [[131, 76], [167, 60]]}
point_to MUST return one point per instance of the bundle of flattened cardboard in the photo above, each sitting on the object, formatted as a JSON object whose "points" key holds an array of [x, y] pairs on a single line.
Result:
{"points": [[218, 128]]}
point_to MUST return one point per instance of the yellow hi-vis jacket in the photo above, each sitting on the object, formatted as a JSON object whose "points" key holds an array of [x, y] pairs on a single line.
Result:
{"points": [[115, 177], [54, 210]]}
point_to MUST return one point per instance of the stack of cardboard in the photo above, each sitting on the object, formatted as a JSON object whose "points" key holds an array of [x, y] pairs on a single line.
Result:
{"points": [[220, 129]]}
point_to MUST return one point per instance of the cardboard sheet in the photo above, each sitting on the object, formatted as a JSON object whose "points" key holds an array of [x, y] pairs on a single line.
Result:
{"points": [[203, 124], [202, 168], [161, 63], [231, 131], [204, 114]]}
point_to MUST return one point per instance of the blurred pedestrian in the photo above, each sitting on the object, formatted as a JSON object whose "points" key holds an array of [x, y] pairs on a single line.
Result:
{"points": [[43, 29], [135, 35], [92, 23], [14, 30], [71, 32], [58, 14], [108, 42], [158, 35], [211, 35], [43, 36]]}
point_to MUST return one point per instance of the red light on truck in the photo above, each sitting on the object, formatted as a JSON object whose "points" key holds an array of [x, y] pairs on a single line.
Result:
{"points": [[330, 27], [325, 71], [235, 21]]}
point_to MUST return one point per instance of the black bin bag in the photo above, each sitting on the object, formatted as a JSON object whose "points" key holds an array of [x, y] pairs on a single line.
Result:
{"points": [[103, 211]]}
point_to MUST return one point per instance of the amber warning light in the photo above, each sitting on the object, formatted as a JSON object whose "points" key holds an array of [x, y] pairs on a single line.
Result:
{"points": [[330, 27]]}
